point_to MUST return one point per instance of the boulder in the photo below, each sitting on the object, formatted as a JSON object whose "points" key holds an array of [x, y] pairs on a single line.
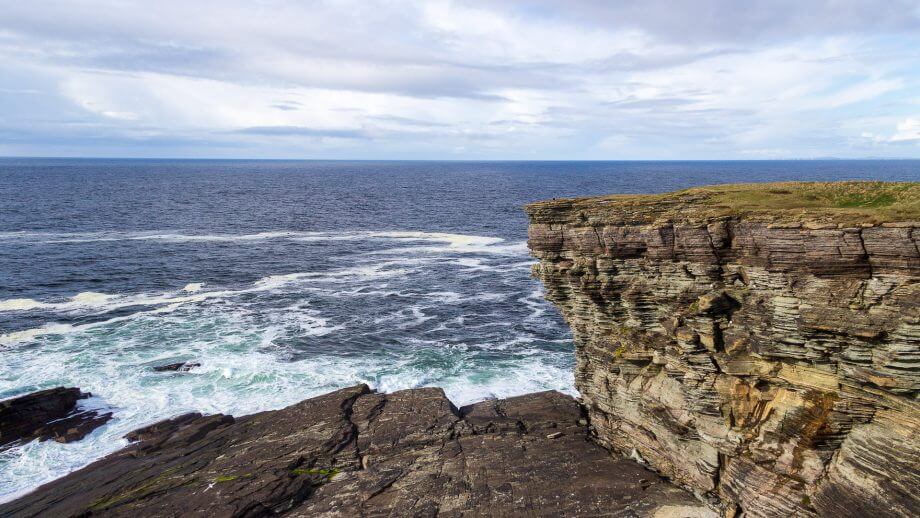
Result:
{"points": [[177, 367], [48, 414]]}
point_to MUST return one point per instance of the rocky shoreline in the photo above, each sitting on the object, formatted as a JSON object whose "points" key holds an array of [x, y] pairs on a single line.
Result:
{"points": [[48, 414], [748, 350], [355, 452]]}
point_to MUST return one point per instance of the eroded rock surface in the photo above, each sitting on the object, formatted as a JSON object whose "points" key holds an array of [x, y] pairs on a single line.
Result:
{"points": [[769, 359], [358, 453], [48, 414]]}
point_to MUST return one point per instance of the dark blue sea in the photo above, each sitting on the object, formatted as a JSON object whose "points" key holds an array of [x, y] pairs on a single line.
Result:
{"points": [[287, 279]]}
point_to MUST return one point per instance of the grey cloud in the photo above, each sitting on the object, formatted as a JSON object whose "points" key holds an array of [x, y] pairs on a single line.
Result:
{"points": [[489, 99], [287, 106], [643, 104], [301, 131], [747, 22], [406, 121]]}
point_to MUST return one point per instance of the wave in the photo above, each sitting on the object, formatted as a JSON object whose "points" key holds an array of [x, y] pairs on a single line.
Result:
{"points": [[86, 299], [453, 240], [20, 305], [192, 293]]}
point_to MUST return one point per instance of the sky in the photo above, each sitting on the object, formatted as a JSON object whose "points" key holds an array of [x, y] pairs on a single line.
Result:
{"points": [[531, 80]]}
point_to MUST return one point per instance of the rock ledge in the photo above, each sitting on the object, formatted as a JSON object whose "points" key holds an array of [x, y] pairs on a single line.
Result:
{"points": [[355, 452]]}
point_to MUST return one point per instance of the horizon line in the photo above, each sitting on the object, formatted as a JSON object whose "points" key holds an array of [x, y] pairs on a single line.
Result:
{"points": [[790, 159]]}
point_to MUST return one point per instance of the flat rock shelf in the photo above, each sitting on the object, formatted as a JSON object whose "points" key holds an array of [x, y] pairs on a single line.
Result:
{"points": [[355, 452]]}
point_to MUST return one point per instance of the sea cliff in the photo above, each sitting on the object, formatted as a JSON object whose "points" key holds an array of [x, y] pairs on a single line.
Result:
{"points": [[758, 344]]}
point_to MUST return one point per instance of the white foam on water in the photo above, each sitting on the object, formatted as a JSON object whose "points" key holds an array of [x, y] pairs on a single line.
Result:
{"points": [[190, 294], [20, 304], [238, 376], [257, 354], [463, 247], [27, 335], [465, 386], [86, 299], [453, 240], [242, 372], [452, 297], [534, 300], [56, 329]]}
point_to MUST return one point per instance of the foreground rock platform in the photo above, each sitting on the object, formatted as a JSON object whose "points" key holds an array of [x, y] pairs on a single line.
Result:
{"points": [[759, 343], [355, 452]]}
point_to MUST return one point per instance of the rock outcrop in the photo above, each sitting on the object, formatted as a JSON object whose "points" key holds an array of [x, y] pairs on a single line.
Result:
{"points": [[177, 367], [757, 344], [355, 452], [48, 414]]}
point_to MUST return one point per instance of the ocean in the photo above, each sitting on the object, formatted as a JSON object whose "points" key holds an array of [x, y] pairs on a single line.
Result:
{"points": [[289, 279]]}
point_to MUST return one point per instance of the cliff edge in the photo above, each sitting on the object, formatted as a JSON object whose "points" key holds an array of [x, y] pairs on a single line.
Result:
{"points": [[758, 343]]}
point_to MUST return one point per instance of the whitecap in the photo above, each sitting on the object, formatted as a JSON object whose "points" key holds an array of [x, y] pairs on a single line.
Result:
{"points": [[20, 304], [91, 298], [453, 240], [27, 335]]}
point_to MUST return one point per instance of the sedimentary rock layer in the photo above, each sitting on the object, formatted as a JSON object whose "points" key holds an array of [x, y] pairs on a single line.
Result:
{"points": [[48, 414], [767, 358], [359, 453]]}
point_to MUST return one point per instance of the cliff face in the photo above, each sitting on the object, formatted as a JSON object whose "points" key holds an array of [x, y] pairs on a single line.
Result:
{"points": [[759, 344]]}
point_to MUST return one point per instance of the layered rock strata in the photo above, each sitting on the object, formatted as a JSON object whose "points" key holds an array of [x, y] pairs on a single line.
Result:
{"points": [[355, 452], [767, 358], [48, 414]]}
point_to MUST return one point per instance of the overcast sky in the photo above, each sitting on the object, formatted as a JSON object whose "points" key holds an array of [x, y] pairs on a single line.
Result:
{"points": [[460, 80]]}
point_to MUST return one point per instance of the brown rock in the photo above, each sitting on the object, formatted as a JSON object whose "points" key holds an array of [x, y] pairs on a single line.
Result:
{"points": [[771, 360]]}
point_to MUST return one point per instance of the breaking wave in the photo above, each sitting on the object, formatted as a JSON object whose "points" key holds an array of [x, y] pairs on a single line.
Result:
{"points": [[394, 309]]}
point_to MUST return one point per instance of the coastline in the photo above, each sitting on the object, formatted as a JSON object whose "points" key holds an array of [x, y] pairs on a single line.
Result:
{"points": [[720, 347]]}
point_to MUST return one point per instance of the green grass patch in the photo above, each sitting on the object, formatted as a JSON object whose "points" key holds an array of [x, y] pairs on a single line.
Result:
{"points": [[327, 473], [851, 202], [147, 487]]}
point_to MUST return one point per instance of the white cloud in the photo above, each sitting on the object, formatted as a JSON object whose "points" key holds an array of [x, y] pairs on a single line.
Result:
{"points": [[908, 130], [361, 79]]}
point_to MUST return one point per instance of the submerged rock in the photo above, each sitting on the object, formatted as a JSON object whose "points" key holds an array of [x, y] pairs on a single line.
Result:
{"points": [[177, 367], [48, 414], [355, 452], [760, 343]]}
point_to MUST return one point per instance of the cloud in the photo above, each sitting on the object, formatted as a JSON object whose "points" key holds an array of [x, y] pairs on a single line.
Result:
{"points": [[908, 130], [300, 131], [534, 79]]}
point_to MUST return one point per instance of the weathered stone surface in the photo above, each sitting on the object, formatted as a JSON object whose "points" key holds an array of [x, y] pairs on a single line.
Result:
{"points": [[358, 453], [48, 414], [772, 361]]}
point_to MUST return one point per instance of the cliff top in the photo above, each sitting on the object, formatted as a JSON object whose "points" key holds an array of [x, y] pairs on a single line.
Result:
{"points": [[845, 203]]}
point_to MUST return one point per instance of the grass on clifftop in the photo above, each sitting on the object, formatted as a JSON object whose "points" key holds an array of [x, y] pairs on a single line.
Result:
{"points": [[849, 202], [879, 201]]}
